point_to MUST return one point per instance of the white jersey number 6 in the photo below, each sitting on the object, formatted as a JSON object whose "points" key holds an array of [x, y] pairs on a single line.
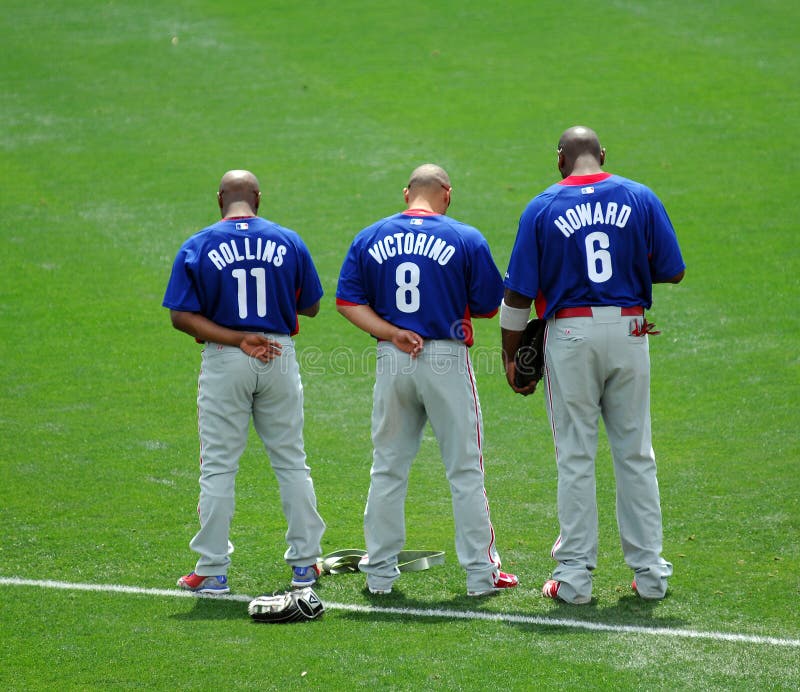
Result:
{"points": [[598, 258], [407, 279]]}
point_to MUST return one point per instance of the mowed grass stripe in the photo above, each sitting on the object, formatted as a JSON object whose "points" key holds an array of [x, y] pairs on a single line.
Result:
{"points": [[424, 613]]}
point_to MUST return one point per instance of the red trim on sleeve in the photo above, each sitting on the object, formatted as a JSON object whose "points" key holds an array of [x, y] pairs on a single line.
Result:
{"points": [[296, 316], [487, 315], [465, 330], [541, 305], [585, 179], [342, 301]]}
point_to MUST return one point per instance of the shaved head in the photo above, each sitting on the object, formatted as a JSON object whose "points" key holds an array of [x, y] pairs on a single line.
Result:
{"points": [[428, 188], [428, 175], [239, 193], [579, 151], [579, 140], [238, 184]]}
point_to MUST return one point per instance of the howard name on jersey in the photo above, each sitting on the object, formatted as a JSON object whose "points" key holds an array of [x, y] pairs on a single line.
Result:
{"points": [[583, 215], [606, 239]]}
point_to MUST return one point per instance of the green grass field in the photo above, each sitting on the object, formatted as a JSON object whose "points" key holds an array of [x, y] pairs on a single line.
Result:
{"points": [[117, 122]]}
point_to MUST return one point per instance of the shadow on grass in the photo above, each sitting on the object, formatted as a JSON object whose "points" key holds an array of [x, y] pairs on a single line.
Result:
{"points": [[629, 611], [213, 609]]}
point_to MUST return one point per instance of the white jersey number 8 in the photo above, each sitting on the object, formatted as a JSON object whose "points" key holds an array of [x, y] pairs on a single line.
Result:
{"points": [[598, 258], [407, 279]]}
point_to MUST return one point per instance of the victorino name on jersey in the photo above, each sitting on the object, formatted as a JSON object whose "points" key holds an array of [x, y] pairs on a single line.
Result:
{"points": [[410, 243], [267, 251]]}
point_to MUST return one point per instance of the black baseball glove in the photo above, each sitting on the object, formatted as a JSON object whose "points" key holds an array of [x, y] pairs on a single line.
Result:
{"points": [[529, 359], [286, 606]]}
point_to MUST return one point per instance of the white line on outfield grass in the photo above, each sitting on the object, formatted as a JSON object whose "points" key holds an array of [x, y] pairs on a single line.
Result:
{"points": [[422, 612]]}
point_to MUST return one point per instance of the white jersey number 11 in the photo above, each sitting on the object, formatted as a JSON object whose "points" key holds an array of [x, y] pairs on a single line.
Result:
{"points": [[259, 275]]}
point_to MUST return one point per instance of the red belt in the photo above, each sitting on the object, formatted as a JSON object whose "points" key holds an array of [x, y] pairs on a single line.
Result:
{"points": [[635, 311]]}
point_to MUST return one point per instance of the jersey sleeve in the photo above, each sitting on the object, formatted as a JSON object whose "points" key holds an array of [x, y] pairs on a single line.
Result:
{"points": [[663, 250], [485, 282], [182, 292], [350, 288], [522, 275], [309, 288]]}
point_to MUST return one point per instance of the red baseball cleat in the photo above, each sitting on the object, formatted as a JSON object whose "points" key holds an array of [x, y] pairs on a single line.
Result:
{"points": [[501, 580], [203, 584]]}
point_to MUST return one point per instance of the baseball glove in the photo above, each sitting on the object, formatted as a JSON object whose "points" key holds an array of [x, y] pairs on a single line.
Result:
{"points": [[286, 606], [529, 359]]}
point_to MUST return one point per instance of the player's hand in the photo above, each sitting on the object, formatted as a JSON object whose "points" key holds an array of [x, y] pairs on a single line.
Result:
{"points": [[511, 372], [260, 347], [408, 342]]}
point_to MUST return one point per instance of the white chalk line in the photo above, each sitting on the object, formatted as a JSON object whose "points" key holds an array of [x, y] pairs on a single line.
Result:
{"points": [[425, 613]]}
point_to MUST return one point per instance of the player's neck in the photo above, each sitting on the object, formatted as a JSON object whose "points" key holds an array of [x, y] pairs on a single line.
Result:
{"points": [[238, 211], [425, 205], [584, 170], [585, 179]]}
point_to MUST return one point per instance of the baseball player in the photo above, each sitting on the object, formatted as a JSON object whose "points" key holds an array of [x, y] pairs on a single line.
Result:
{"points": [[414, 280], [238, 286], [588, 250]]}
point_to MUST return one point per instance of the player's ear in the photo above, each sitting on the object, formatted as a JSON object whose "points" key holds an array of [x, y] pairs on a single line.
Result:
{"points": [[219, 199], [602, 155], [405, 194]]}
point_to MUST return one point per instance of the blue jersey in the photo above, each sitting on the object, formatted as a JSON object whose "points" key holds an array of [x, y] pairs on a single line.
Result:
{"points": [[593, 240], [247, 274], [424, 272]]}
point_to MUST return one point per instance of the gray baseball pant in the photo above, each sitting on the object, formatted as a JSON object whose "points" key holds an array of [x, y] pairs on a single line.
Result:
{"points": [[437, 386], [595, 367], [232, 389]]}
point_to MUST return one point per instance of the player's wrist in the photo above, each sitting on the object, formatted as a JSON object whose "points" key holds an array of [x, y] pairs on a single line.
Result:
{"points": [[514, 319]]}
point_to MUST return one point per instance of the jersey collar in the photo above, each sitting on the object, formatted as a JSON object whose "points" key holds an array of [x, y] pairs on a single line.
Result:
{"points": [[419, 212], [585, 179]]}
